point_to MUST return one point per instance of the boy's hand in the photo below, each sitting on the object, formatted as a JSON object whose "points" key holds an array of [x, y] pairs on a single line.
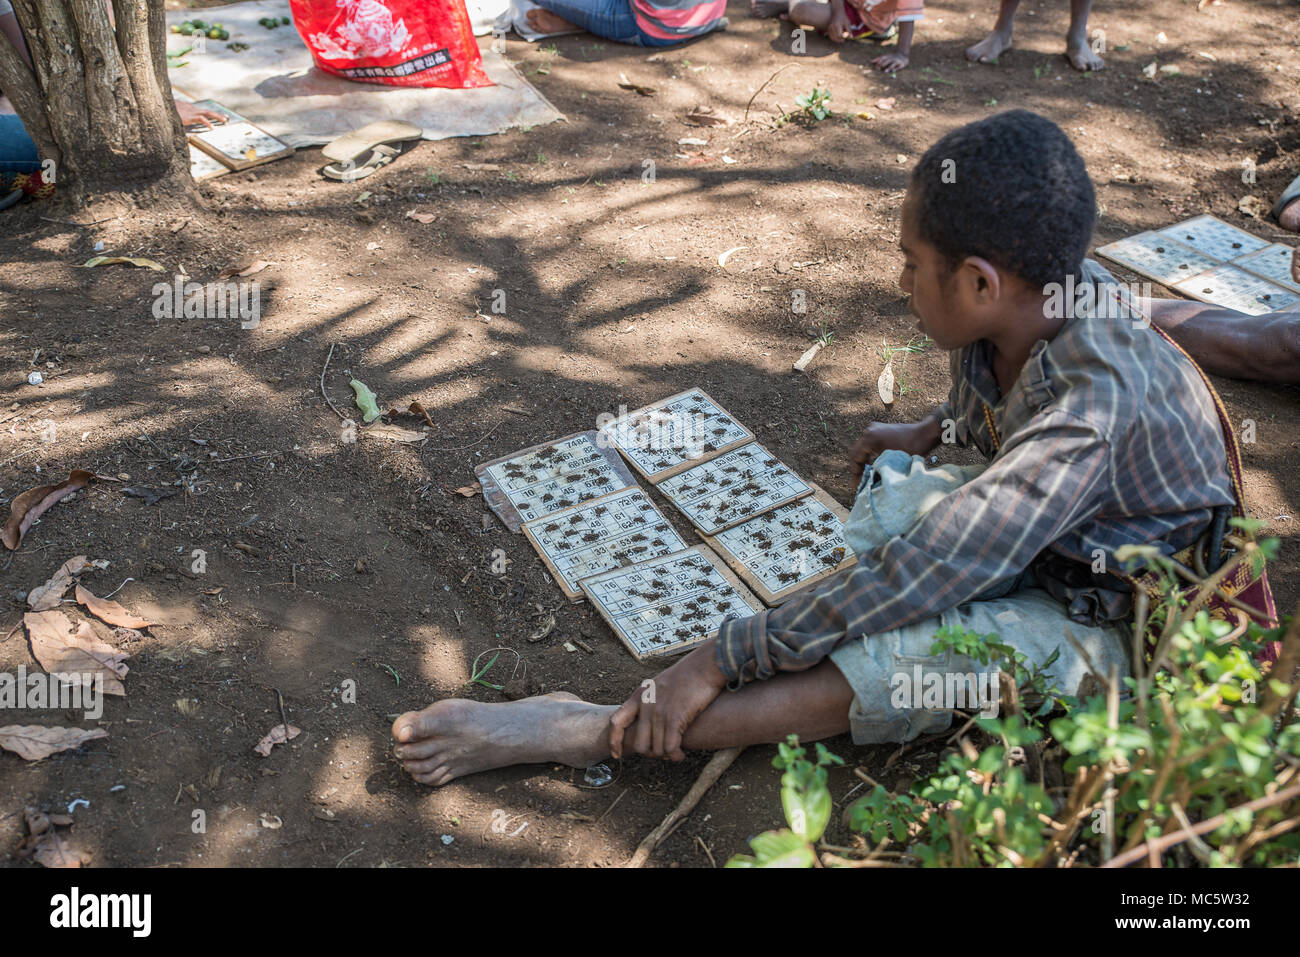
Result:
{"points": [[890, 62], [839, 29], [664, 707], [914, 438]]}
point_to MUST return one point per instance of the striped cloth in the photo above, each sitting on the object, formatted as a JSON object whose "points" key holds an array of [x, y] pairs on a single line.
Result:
{"points": [[678, 19], [1108, 438], [879, 15]]}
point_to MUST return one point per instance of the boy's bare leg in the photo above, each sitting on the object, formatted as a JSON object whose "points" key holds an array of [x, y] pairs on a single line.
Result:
{"points": [[455, 737], [1289, 218], [999, 41], [1230, 343], [769, 8], [547, 21], [1077, 50]]}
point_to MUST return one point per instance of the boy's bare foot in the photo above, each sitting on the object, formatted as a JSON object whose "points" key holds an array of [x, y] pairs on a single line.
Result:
{"points": [[1080, 55], [769, 8], [455, 737], [990, 48], [544, 21]]}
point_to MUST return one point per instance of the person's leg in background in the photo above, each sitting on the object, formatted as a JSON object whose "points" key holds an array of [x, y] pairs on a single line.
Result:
{"points": [[611, 19]]}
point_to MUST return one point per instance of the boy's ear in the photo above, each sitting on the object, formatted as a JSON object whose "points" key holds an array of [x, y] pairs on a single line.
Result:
{"points": [[979, 281]]}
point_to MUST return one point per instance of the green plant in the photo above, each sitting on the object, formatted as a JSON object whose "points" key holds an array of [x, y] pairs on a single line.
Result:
{"points": [[815, 104], [806, 801], [910, 348], [1194, 758]]}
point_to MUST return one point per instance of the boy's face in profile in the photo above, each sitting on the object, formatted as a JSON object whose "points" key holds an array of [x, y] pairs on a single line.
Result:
{"points": [[925, 275], [954, 307]]}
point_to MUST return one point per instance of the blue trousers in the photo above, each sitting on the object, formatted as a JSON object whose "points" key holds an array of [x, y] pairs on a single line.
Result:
{"points": [[611, 19], [17, 149]]}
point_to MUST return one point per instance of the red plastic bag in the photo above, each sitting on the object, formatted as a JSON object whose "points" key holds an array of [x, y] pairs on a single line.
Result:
{"points": [[397, 42]]}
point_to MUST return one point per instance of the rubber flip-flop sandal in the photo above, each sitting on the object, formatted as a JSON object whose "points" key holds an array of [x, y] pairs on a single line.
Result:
{"points": [[1289, 195], [350, 172], [11, 199], [349, 146]]}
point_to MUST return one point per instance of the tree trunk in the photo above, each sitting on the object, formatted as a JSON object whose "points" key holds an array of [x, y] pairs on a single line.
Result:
{"points": [[98, 102]]}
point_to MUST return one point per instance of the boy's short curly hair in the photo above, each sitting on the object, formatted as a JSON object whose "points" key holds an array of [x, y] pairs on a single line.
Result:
{"points": [[1016, 193]]}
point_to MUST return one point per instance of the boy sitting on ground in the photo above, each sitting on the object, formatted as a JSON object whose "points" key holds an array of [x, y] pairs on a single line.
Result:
{"points": [[1098, 434], [841, 20]]}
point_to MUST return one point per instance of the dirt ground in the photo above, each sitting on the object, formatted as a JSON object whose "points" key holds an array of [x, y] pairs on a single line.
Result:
{"points": [[339, 561]]}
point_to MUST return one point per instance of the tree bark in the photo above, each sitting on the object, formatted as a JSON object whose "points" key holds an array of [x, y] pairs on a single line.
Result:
{"points": [[98, 101]]}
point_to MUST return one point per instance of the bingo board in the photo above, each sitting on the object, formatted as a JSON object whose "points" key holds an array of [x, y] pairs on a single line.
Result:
{"points": [[733, 487], [669, 604], [1212, 261], [600, 535], [1231, 287], [675, 433], [547, 478], [1273, 262], [238, 143], [203, 166], [788, 549]]}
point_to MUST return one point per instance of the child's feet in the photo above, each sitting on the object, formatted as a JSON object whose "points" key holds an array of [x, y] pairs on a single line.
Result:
{"points": [[1080, 54], [544, 21], [769, 8], [990, 48]]}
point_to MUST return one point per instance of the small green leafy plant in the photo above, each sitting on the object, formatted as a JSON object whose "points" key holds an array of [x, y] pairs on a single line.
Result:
{"points": [[815, 104], [806, 800]]}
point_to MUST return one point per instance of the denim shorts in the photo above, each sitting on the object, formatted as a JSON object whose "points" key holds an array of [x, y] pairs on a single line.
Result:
{"points": [[17, 149], [901, 690], [611, 19]]}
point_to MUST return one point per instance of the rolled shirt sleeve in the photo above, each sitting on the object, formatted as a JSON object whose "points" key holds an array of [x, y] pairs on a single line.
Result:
{"points": [[1048, 479]]}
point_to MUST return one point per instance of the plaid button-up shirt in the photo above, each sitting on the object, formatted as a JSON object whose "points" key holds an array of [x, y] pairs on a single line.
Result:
{"points": [[1108, 438]]}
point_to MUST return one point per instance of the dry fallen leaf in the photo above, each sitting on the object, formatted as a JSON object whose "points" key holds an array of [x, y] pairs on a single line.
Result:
{"points": [[483, 167], [469, 491], [626, 84], [75, 657], [47, 596], [34, 741], [886, 103], [722, 260], [413, 409], [885, 384], [51, 850], [109, 611], [275, 736], [232, 271], [127, 260], [421, 217], [393, 433], [30, 505], [706, 116], [1253, 206]]}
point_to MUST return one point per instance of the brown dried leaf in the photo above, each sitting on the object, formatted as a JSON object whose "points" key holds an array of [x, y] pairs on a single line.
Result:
{"points": [[706, 116], [886, 103], [626, 84], [53, 851], [393, 433], [47, 596], [885, 385], [469, 491], [275, 736], [34, 742], [415, 408], [421, 217], [30, 505], [232, 271], [109, 611], [78, 656]]}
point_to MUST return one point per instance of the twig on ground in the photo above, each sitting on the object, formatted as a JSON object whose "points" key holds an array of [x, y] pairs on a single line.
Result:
{"points": [[761, 88], [712, 771], [322, 383]]}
